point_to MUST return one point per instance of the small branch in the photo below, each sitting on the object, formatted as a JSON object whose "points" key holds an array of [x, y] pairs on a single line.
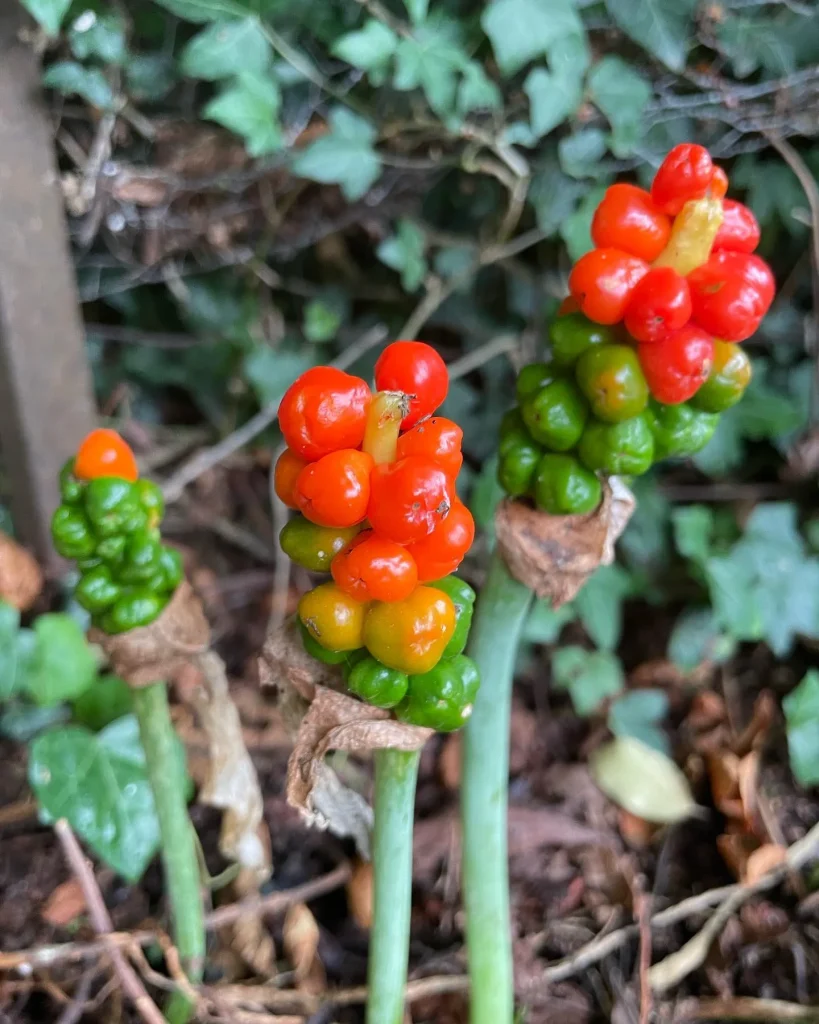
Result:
{"points": [[748, 1008], [101, 922], [499, 346]]}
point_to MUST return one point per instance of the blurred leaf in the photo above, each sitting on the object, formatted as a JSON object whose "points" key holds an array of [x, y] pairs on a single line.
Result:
{"points": [[576, 228], [417, 10], [62, 663], [22, 722], [477, 91], [693, 531], [321, 321], [207, 10], [250, 108], [553, 194], [345, 157], [9, 651], [486, 495], [430, 60], [643, 781], [228, 48], [70, 78], [663, 27], [801, 708], [271, 371], [644, 544], [370, 47], [697, 637], [580, 153], [637, 714], [453, 261], [545, 623], [557, 93], [404, 252], [48, 13], [622, 94], [773, 191], [149, 76], [751, 43], [600, 605], [107, 699], [521, 30], [589, 676], [99, 35]]}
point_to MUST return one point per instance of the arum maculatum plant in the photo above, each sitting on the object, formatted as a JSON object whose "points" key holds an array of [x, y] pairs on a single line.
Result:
{"points": [[645, 355], [147, 620], [372, 476]]}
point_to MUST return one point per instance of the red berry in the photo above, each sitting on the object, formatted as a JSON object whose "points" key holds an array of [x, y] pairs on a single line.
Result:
{"points": [[739, 230], [676, 367], [442, 551], [659, 305], [323, 411], [335, 490], [627, 219], [731, 293], [685, 174], [719, 183], [408, 498], [439, 439], [602, 282], [374, 569], [416, 369], [104, 453]]}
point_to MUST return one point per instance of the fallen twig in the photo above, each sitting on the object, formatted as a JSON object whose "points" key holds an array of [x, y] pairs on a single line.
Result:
{"points": [[751, 1009]]}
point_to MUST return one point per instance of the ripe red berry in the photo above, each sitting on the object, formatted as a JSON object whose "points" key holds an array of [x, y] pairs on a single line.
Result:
{"points": [[627, 219], [443, 550], [659, 305], [408, 498], [335, 490], [719, 183], [416, 369], [602, 282], [730, 294], [323, 411], [676, 367], [739, 230], [685, 174]]}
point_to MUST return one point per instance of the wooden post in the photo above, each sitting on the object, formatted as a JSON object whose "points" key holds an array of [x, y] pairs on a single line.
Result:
{"points": [[46, 402]]}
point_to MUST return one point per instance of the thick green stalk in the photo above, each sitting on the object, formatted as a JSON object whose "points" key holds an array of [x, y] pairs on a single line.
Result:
{"points": [[396, 772], [500, 614], [178, 846]]}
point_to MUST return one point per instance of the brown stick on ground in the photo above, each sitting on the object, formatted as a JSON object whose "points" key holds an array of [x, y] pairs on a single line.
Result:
{"points": [[101, 921]]}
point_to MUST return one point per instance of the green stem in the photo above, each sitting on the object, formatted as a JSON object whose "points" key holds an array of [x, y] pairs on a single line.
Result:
{"points": [[178, 846], [396, 772], [501, 612]]}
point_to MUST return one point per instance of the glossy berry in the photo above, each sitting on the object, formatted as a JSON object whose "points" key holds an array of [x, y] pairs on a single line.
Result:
{"points": [[568, 305], [410, 635], [563, 487], [730, 376], [602, 282], [730, 294], [416, 369], [679, 430], [375, 569], [409, 498], [463, 597], [333, 619], [676, 367], [285, 474], [627, 219], [625, 448], [517, 462], [437, 438], [323, 411], [611, 379], [532, 378], [314, 547], [555, 415], [376, 684], [685, 174], [442, 551], [335, 490], [104, 453], [570, 336], [739, 230], [659, 305], [442, 698], [719, 183]]}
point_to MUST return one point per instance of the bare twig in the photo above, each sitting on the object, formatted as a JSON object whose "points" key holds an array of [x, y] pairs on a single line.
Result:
{"points": [[101, 921], [499, 346], [751, 1009]]}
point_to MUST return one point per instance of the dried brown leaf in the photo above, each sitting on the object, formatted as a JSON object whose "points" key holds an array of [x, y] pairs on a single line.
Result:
{"points": [[300, 936], [157, 651], [20, 577], [65, 904], [140, 188], [555, 555], [360, 894], [249, 936]]}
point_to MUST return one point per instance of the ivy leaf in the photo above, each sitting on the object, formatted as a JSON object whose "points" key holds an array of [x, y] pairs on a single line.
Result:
{"points": [[48, 14], [62, 664], [663, 27], [227, 48], [554, 195], [697, 637], [575, 230], [105, 701], [600, 605], [693, 532], [589, 676], [752, 43], [404, 252], [99, 35], [70, 78], [637, 714], [201, 11], [477, 91], [149, 76], [430, 60], [521, 30], [371, 47], [801, 708], [417, 10], [622, 94], [345, 157], [250, 108], [9, 650], [580, 153], [321, 321], [556, 94], [545, 623], [271, 371]]}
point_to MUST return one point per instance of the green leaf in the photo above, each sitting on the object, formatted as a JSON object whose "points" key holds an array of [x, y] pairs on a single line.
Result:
{"points": [[417, 10], [370, 47], [250, 108], [554, 195], [697, 637], [321, 321], [99, 35], [107, 699], [62, 664], [600, 605], [556, 94], [693, 532], [345, 157], [545, 623], [271, 371], [477, 91], [149, 76], [637, 714], [404, 252], [71, 78], [22, 722], [224, 49], [98, 783], [9, 650], [663, 27], [430, 59], [576, 228], [589, 676], [752, 43], [48, 14], [801, 708], [207, 10], [622, 94], [643, 781], [521, 30], [580, 153]]}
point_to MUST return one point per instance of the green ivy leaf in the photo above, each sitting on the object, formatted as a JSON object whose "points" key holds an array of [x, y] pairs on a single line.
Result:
{"points": [[477, 91], [637, 714], [98, 782], [556, 94], [370, 47], [149, 76], [200, 11], [250, 108], [227, 48], [345, 157], [271, 371], [62, 663], [99, 35], [545, 623], [801, 708], [404, 252], [430, 59], [575, 230], [600, 605], [554, 195], [697, 637], [580, 154], [417, 10], [521, 30], [105, 701], [693, 532], [663, 27], [48, 14], [71, 78], [589, 676], [9, 651], [752, 43], [321, 321], [622, 94]]}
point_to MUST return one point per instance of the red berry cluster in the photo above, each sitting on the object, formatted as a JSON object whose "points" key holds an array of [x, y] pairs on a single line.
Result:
{"points": [[674, 317]]}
